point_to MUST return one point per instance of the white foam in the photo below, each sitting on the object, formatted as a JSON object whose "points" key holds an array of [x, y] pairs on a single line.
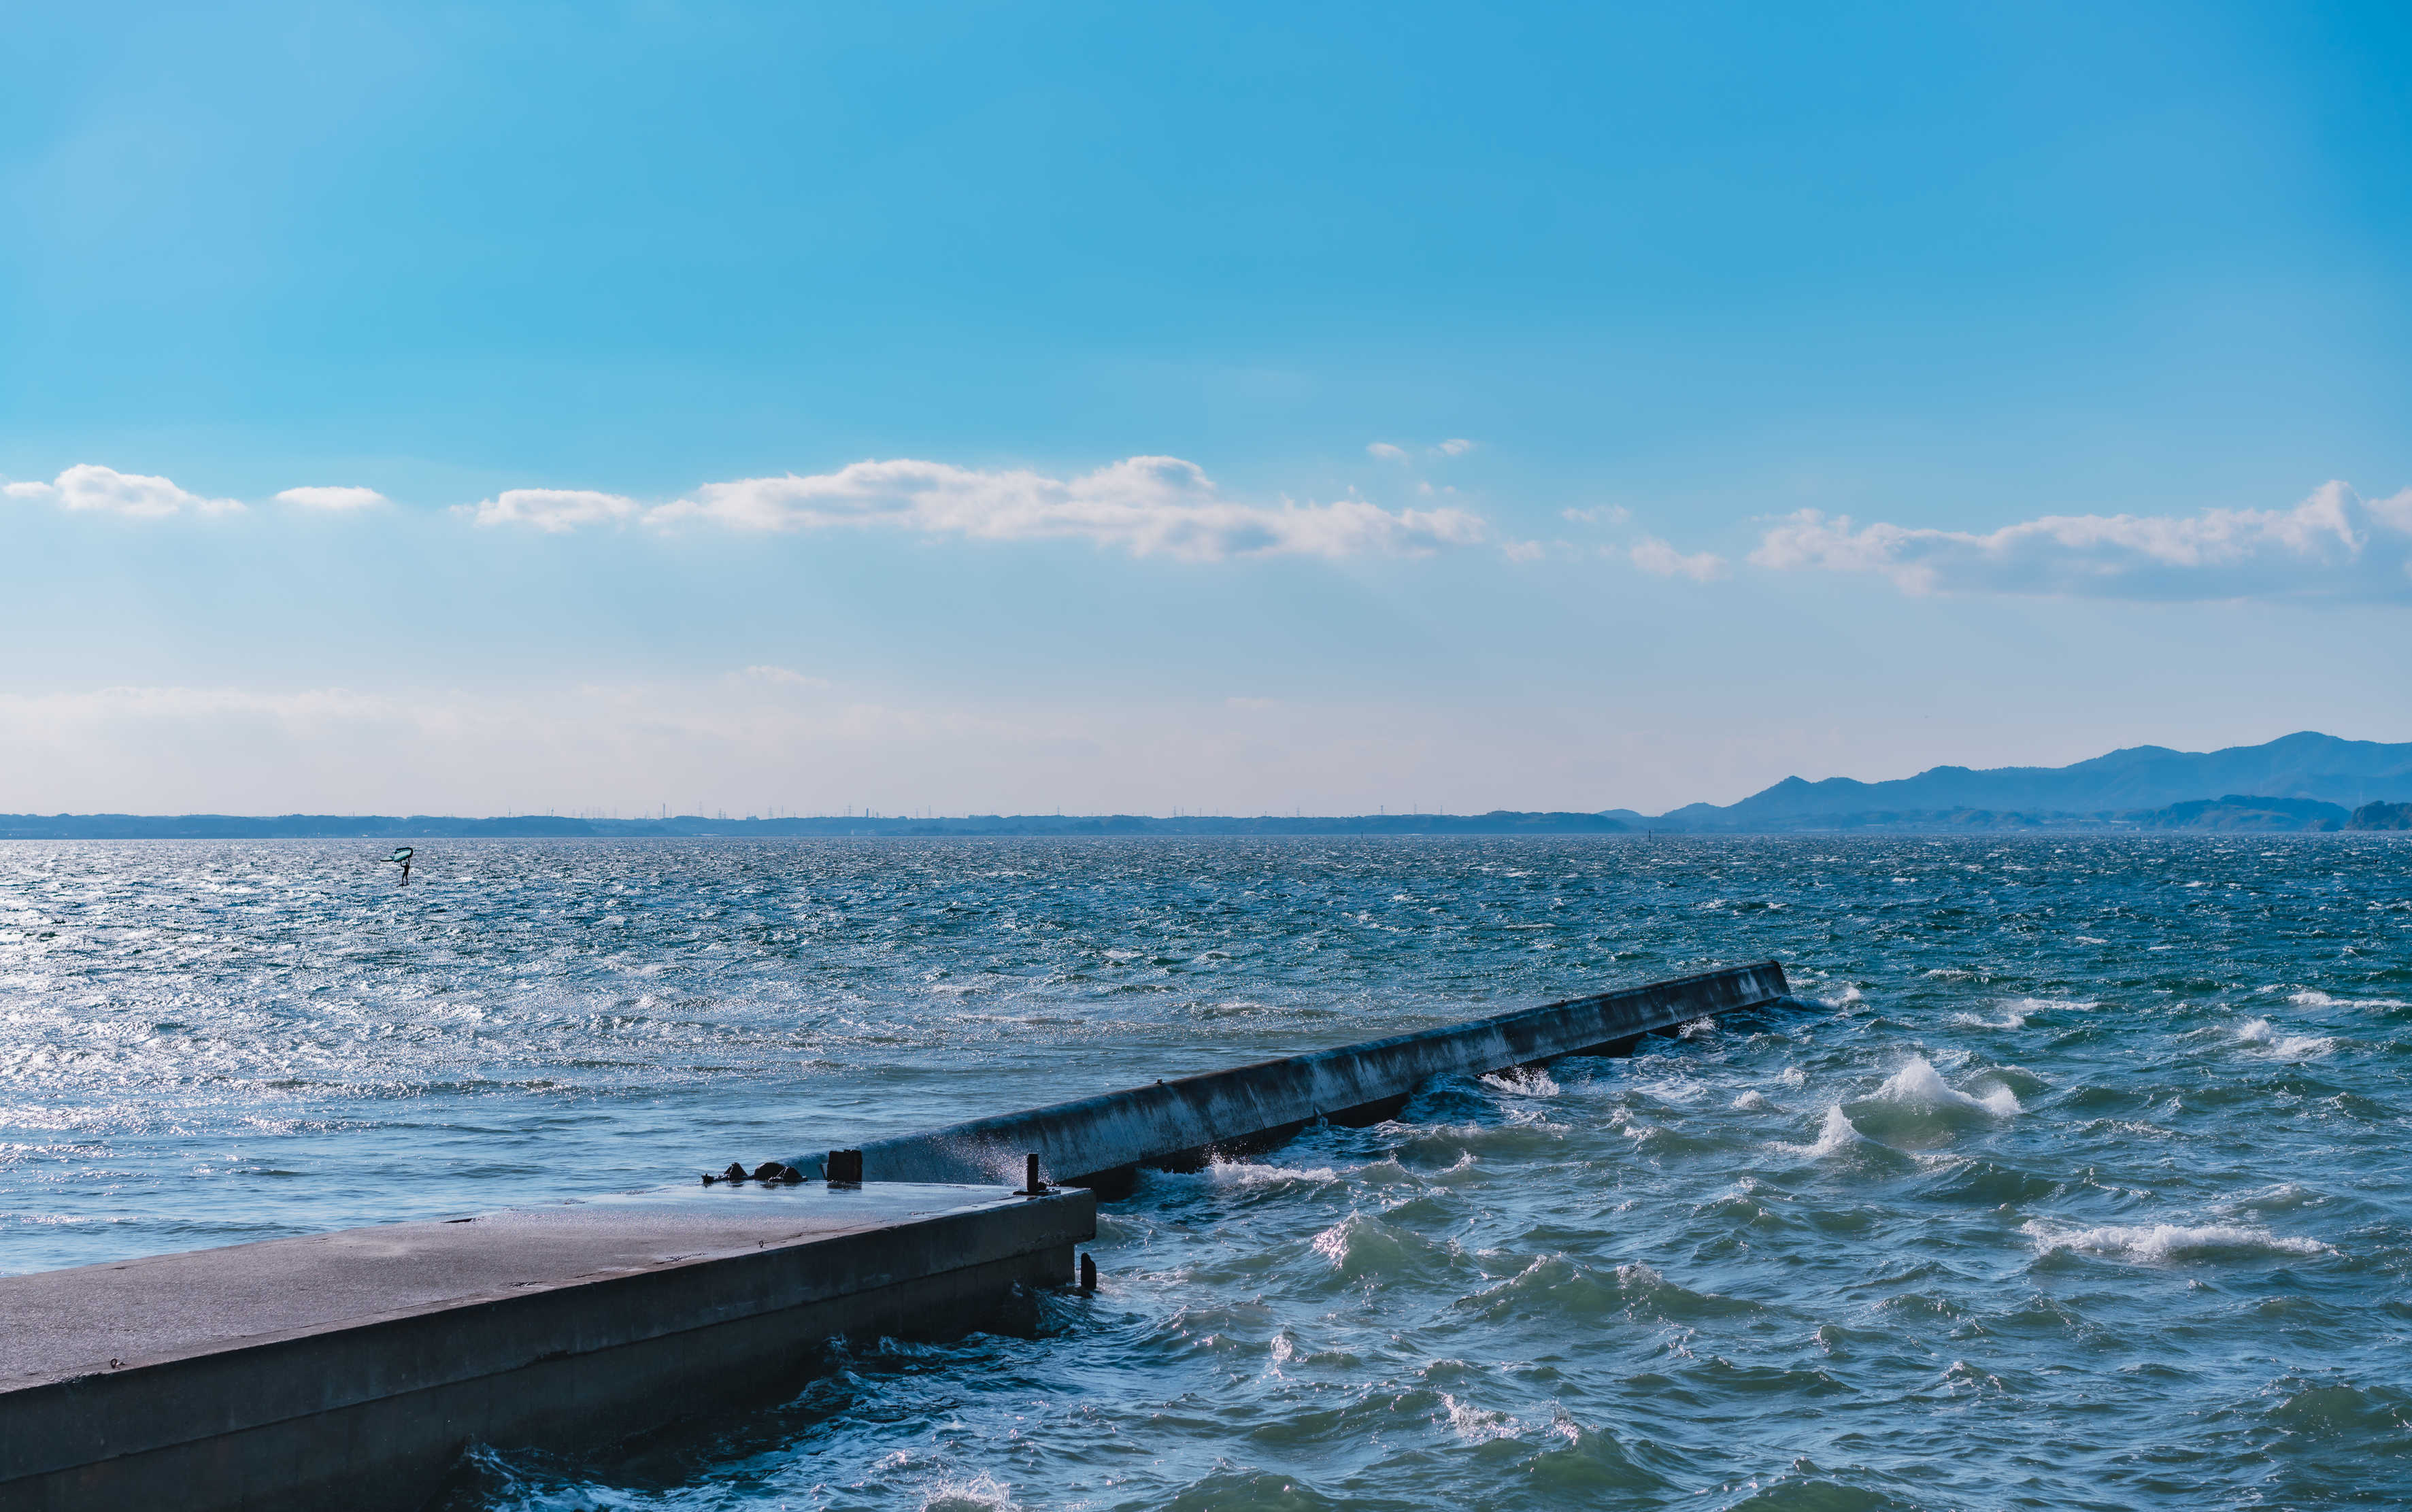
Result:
{"points": [[1634, 1275], [2011, 1019], [1249, 1173], [1522, 1081], [2313, 998], [2283, 1047], [2015, 1011], [1837, 1134], [1917, 1084], [1477, 1425], [1753, 1102], [982, 1494], [1677, 1088], [2024, 1006], [2154, 1242]]}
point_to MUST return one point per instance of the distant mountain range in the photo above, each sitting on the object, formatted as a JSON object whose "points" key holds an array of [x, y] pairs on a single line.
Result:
{"points": [[2301, 782], [2298, 782]]}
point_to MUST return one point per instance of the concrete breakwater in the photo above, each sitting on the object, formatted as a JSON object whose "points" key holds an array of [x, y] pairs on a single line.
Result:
{"points": [[353, 1369], [1102, 1142]]}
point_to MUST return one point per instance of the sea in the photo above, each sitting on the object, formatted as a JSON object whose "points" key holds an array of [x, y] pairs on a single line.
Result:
{"points": [[2077, 1174]]}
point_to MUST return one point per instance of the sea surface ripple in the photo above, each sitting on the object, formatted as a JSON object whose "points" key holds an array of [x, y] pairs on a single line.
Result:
{"points": [[2075, 1179]]}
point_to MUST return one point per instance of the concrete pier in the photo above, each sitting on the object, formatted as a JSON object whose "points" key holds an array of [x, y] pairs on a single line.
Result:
{"points": [[352, 1368], [1102, 1142]]}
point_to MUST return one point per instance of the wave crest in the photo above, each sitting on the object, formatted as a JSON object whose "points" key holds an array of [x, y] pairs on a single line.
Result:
{"points": [[2285, 1047], [2156, 1242], [1917, 1084], [1837, 1134]]}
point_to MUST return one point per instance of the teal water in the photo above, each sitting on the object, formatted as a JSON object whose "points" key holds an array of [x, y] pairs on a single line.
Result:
{"points": [[2076, 1179]]}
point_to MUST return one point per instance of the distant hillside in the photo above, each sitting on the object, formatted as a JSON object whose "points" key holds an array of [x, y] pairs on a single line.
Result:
{"points": [[2381, 817], [2123, 786], [2238, 810]]}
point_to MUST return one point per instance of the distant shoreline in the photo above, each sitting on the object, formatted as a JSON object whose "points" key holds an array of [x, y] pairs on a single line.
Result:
{"points": [[2300, 782], [2232, 815], [689, 826]]}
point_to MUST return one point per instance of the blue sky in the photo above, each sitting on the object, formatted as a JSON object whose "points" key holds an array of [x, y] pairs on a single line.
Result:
{"points": [[1006, 407]]}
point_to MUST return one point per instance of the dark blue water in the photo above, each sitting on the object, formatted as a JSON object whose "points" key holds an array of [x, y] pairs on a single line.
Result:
{"points": [[2078, 1181]]}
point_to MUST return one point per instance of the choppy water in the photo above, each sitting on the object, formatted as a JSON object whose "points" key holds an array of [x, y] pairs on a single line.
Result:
{"points": [[2079, 1182]]}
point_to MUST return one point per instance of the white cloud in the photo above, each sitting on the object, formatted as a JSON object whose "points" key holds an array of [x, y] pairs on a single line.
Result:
{"points": [[2394, 511], [89, 487], [1605, 514], [1455, 447], [786, 677], [334, 500], [1145, 505], [2334, 544], [1655, 556], [554, 509]]}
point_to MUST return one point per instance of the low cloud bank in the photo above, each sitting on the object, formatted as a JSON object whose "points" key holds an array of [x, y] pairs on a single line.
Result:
{"points": [[553, 510], [2335, 545], [1143, 506], [1655, 556], [2332, 545], [89, 489], [335, 500]]}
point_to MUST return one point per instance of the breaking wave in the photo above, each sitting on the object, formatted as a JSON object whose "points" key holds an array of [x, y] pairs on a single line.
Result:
{"points": [[2258, 1032], [2153, 1242], [2311, 998], [1917, 1084], [1522, 1081], [1835, 1136]]}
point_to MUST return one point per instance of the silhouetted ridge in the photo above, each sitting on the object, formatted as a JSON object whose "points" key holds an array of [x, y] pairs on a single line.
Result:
{"points": [[2138, 787]]}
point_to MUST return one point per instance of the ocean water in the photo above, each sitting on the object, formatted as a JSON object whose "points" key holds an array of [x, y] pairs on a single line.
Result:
{"points": [[2076, 1178]]}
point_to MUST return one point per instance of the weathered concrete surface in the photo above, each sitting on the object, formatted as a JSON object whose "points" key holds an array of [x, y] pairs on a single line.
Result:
{"points": [[1097, 1140], [351, 1369]]}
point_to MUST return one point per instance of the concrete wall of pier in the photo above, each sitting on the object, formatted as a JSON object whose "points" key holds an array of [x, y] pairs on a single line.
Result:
{"points": [[1100, 1141], [372, 1413]]}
